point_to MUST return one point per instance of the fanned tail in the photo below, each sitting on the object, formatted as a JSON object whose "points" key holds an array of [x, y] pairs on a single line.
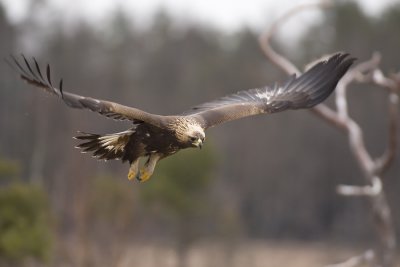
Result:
{"points": [[109, 146]]}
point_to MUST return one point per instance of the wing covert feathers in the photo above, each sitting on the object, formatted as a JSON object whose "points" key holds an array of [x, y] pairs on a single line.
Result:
{"points": [[305, 91]]}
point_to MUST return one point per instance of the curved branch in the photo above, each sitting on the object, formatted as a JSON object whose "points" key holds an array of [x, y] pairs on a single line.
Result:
{"points": [[265, 37]]}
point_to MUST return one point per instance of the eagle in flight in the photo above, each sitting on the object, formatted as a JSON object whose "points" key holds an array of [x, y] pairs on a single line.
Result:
{"points": [[156, 136]]}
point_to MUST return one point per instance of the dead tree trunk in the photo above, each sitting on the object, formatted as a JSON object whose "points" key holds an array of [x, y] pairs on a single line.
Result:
{"points": [[373, 169]]}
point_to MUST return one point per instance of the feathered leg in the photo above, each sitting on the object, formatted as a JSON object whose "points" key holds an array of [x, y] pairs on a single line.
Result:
{"points": [[148, 169]]}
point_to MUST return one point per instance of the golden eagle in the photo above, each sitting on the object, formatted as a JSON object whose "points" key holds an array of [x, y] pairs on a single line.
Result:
{"points": [[156, 136]]}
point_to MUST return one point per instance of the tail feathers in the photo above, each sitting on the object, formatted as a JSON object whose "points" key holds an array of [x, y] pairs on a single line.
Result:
{"points": [[110, 146]]}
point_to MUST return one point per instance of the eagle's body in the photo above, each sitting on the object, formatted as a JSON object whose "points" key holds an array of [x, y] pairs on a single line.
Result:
{"points": [[156, 136], [141, 140], [145, 140]]}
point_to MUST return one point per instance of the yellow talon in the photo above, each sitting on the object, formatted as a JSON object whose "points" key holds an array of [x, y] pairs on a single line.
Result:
{"points": [[131, 175], [144, 175]]}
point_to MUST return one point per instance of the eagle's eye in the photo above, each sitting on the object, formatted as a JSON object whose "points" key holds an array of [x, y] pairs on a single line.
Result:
{"points": [[192, 138]]}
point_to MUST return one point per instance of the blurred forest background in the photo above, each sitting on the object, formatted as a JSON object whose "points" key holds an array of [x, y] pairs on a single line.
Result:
{"points": [[259, 180]]}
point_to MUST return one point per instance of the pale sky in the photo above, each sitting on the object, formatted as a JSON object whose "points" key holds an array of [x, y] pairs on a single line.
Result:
{"points": [[228, 15]]}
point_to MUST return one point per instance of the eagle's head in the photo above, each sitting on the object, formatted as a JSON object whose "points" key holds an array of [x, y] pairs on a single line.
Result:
{"points": [[195, 136], [197, 139], [190, 134]]}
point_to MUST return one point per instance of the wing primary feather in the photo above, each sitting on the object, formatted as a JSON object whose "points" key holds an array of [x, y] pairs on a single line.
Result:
{"points": [[38, 68], [305, 91], [61, 88], [24, 73], [29, 68], [48, 75]]}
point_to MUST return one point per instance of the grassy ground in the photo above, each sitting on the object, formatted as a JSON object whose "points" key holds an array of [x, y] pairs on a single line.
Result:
{"points": [[250, 254]]}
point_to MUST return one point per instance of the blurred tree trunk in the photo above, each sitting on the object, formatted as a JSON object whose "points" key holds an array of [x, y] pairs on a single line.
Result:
{"points": [[40, 140]]}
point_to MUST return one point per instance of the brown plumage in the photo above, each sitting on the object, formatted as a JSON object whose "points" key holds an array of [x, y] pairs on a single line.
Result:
{"points": [[156, 136]]}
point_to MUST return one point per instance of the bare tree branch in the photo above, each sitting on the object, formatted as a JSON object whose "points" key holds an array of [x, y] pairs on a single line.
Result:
{"points": [[354, 131], [383, 163], [368, 190]]}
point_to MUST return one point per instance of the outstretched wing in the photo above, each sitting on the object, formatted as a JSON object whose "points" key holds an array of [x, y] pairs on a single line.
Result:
{"points": [[306, 91], [32, 74]]}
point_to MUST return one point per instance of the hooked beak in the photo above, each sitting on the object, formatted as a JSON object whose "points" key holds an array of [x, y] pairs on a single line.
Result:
{"points": [[198, 143]]}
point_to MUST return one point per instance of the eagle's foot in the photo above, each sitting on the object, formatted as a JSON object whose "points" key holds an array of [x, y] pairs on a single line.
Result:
{"points": [[133, 170], [144, 175], [147, 171], [131, 175]]}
